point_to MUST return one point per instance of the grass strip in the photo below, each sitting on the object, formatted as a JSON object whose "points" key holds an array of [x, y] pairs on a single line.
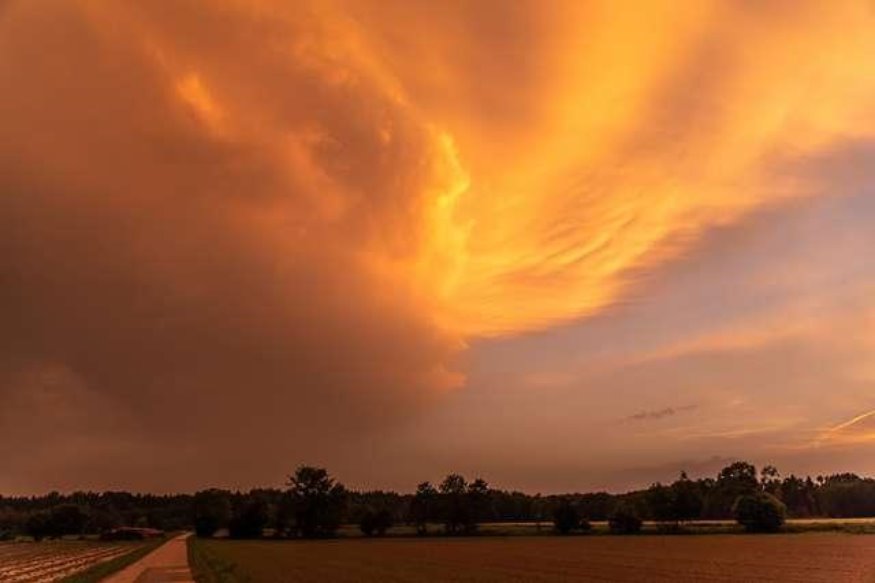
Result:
{"points": [[103, 570]]}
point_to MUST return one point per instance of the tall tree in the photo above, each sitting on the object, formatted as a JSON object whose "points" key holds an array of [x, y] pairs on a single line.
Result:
{"points": [[456, 510], [687, 499], [423, 507], [735, 480], [211, 511], [319, 501]]}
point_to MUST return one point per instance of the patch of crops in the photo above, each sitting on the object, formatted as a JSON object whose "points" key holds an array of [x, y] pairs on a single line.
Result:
{"points": [[27, 562]]}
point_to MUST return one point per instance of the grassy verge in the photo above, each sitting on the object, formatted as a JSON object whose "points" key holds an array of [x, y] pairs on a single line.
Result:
{"points": [[102, 570], [206, 567]]}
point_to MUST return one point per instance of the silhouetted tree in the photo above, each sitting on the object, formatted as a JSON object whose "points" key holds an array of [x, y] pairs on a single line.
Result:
{"points": [[735, 480], [565, 516], [539, 510], [319, 502], [424, 507], [11, 522], [284, 518], [624, 520], [595, 505], [687, 498], [103, 517], [512, 506], [212, 511], [462, 504], [250, 519], [478, 503], [66, 519], [375, 523], [770, 480], [799, 495], [846, 495], [37, 525], [760, 512], [455, 509], [661, 504], [680, 502]]}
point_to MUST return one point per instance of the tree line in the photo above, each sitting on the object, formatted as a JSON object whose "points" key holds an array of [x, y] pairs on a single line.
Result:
{"points": [[314, 504]]}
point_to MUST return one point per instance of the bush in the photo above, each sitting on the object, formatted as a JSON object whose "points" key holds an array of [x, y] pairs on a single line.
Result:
{"points": [[760, 512], [624, 520], [565, 517]]}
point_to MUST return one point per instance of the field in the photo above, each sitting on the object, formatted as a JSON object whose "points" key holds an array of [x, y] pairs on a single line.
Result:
{"points": [[810, 557], [47, 561]]}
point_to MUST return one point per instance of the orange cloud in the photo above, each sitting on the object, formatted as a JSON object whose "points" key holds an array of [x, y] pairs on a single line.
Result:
{"points": [[322, 201], [570, 145], [582, 142], [673, 133]]}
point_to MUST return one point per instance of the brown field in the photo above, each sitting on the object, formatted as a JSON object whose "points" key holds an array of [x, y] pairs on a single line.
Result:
{"points": [[47, 561], [813, 557]]}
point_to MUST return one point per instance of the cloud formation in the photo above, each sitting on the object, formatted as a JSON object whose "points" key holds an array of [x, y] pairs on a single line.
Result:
{"points": [[657, 414], [207, 238], [227, 227]]}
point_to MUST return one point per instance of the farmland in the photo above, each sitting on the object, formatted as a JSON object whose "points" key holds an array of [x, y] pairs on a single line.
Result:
{"points": [[809, 557], [46, 561]]}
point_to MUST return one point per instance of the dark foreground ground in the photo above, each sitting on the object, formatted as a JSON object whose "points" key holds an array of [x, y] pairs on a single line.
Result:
{"points": [[809, 557]]}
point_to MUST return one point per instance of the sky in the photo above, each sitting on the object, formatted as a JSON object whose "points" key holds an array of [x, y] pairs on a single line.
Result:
{"points": [[561, 245]]}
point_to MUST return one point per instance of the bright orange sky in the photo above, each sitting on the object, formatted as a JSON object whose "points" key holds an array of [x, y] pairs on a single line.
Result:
{"points": [[453, 235]]}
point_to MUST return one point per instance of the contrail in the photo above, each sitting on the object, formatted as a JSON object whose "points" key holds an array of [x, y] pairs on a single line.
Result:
{"points": [[853, 421]]}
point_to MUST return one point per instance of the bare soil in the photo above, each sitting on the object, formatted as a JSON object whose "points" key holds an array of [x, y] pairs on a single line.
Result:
{"points": [[810, 557]]}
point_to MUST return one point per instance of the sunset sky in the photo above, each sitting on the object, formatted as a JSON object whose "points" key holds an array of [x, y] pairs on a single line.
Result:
{"points": [[562, 245]]}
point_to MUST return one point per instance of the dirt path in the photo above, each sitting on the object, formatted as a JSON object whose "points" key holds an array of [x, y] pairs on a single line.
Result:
{"points": [[167, 563]]}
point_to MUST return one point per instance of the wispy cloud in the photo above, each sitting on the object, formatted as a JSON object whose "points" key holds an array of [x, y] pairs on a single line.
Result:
{"points": [[657, 414], [853, 421]]}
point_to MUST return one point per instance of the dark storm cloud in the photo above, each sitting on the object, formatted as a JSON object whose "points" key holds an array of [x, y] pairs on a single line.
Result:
{"points": [[188, 287]]}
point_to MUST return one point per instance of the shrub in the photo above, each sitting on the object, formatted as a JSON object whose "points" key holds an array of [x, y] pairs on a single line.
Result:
{"points": [[624, 520], [565, 517], [760, 512]]}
